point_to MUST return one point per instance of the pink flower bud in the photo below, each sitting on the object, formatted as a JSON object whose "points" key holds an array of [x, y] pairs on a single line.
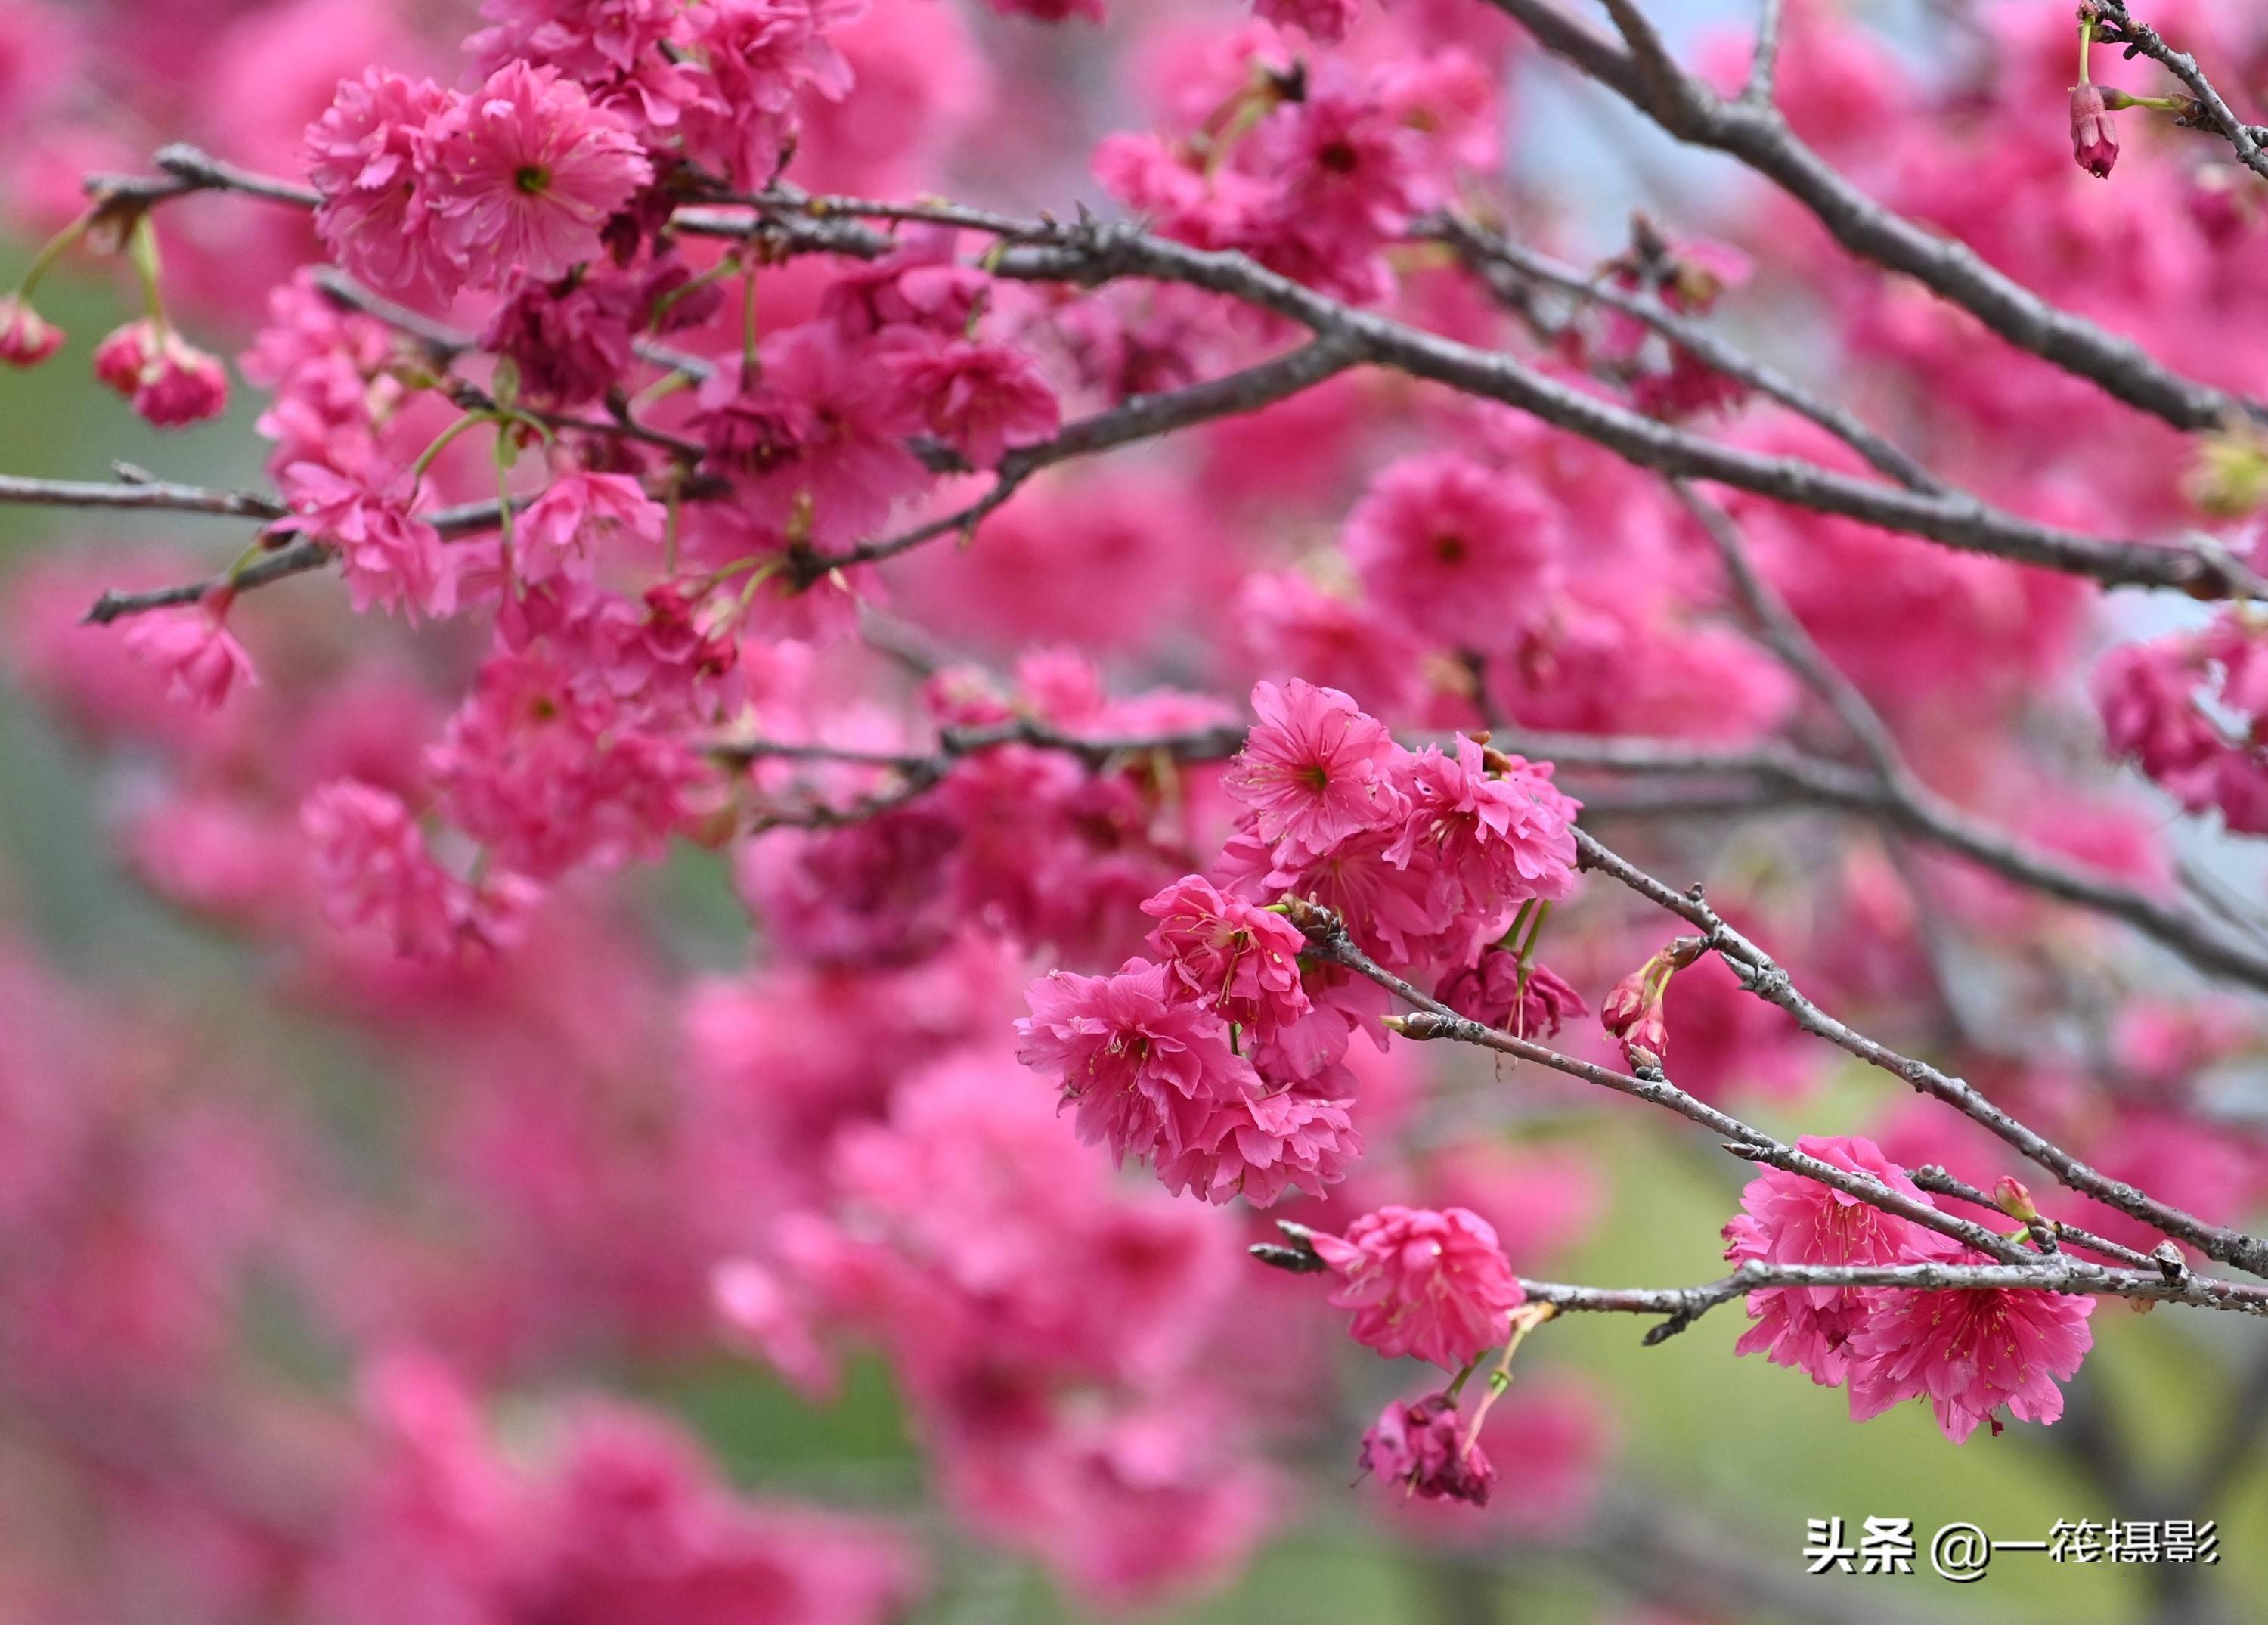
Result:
{"points": [[1633, 1010], [2094, 139], [2013, 1199], [26, 340]]}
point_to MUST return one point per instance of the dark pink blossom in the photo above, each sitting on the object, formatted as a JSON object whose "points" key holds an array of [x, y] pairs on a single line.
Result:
{"points": [[25, 339], [1432, 1284], [1491, 991], [570, 341], [1312, 770], [1146, 1071], [1258, 1146], [2093, 138], [919, 285], [815, 437], [526, 174], [1242, 961], [1328, 20], [1496, 825], [980, 399], [565, 529], [1467, 555], [170, 382], [372, 869], [759, 56], [1420, 1447], [390, 557], [369, 156], [1787, 1219], [1969, 1353]]}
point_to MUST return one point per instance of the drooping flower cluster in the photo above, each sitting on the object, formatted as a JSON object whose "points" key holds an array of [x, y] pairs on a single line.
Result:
{"points": [[1969, 1353], [1224, 1066]]}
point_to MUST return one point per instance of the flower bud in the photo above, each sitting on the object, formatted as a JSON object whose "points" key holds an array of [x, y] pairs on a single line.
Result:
{"points": [[25, 339], [1633, 1010], [2094, 139], [2013, 1199]]}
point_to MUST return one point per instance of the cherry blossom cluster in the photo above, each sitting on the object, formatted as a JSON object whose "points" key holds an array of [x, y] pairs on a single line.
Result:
{"points": [[2187, 710], [853, 613], [1223, 1063], [1969, 1354]]}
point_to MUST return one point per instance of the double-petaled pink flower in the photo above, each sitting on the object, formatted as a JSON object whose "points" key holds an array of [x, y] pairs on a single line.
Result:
{"points": [[1313, 769], [1432, 1284], [171, 383], [1969, 1353], [1229, 954], [526, 173], [1787, 1219], [1421, 1447]]}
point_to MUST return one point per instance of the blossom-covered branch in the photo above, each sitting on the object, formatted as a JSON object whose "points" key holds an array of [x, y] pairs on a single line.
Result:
{"points": [[1644, 73], [1764, 979]]}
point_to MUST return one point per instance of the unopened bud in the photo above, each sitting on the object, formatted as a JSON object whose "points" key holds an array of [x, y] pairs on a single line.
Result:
{"points": [[2094, 138], [2010, 1196]]}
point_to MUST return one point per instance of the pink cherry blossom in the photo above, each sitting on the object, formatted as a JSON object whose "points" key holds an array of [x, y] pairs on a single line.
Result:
{"points": [[391, 560], [372, 869], [1969, 1354], [569, 341], [1328, 20], [526, 173], [814, 436], [370, 157], [1312, 770], [980, 399], [26, 340], [1151, 1075], [171, 383], [1240, 960], [1787, 1219], [567, 526], [1432, 1284], [192, 647], [1468, 555], [1494, 992], [1498, 828], [1420, 1447]]}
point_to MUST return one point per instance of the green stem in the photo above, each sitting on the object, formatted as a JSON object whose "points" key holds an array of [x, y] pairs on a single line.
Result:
{"points": [[54, 250], [442, 442], [2086, 45], [141, 248]]}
